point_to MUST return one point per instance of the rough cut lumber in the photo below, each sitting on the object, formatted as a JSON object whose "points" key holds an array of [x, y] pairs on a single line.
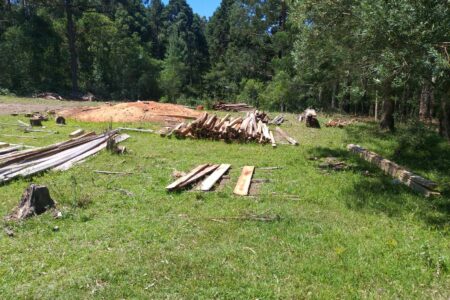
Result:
{"points": [[198, 176], [76, 133], [35, 201], [209, 182], [287, 137], [186, 177], [415, 182], [243, 185], [136, 130]]}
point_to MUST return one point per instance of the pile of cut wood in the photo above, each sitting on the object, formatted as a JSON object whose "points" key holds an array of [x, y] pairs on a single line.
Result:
{"points": [[340, 123], [309, 116], [227, 128], [416, 182], [260, 116], [62, 156], [215, 172], [197, 174], [236, 107]]}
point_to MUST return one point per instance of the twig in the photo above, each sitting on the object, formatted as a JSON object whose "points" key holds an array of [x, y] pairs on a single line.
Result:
{"points": [[112, 173]]}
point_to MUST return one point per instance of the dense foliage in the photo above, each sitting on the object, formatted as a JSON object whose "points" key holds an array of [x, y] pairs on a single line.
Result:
{"points": [[372, 56]]}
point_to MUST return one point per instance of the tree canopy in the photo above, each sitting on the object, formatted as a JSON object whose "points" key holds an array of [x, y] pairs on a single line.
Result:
{"points": [[353, 56]]}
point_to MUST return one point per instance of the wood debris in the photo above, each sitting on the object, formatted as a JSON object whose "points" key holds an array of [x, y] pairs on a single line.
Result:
{"points": [[415, 182], [286, 136], [77, 133], [309, 116], [278, 120], [227, 128], [194, 175], [61, 156], [340, 123], [334, 164], [243, 185], [236, 107]]}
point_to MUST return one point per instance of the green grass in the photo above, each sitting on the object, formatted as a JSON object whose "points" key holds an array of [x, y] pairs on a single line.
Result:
{"points": [[346, 236]]}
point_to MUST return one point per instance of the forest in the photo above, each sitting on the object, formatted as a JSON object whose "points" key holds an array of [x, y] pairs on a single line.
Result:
{"points": [[388, 59]]}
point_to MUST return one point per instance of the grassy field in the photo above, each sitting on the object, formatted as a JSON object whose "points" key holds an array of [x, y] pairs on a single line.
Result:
{"points": [[343, 235]]}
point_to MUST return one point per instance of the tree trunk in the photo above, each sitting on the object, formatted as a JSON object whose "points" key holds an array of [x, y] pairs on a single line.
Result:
{"points": [[444, 120], [333, 97], [71, 37], [426, 103], [387, 119]]}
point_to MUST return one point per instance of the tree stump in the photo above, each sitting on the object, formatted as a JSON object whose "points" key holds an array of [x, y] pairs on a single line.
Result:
{"points": [[36, 122], [312, 122], [60, 120], [35, 201]]}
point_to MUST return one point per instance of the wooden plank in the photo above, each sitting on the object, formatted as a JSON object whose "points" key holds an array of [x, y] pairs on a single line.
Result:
{"points": [[286, 136], [198, 176], [272, 139], [243, 185], [209, 182], [192, 173], [76, 133]]}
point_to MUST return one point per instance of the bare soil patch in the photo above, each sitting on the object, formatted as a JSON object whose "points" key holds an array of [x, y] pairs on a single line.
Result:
{"points": [[148, 111]]}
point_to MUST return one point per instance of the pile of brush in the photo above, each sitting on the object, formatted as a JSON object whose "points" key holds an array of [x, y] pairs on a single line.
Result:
{"points": [[340, 123], [207, 126]]}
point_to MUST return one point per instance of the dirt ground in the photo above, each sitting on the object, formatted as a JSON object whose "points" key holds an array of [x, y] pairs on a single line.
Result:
{"points": [[31, 106], [147, 111]]}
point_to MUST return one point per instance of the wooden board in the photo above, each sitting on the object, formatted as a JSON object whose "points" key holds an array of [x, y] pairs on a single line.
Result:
{"points": [[199, 176], [243, 185], [186, 177], [209, 182], [76, 133]]}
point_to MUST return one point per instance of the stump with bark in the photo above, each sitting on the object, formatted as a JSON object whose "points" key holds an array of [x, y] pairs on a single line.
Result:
{"points": [[35, 201]]}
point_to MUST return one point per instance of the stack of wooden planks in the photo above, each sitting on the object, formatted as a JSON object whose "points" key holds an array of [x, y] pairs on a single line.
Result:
{"points": [[236, 107], [215, 172], [227, 128], [62, 156], [416, 182], [339, 123]]}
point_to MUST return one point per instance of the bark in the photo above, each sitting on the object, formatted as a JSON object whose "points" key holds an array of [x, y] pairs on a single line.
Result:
{"points": [[444, 120], [71, 37], [426, 103], [387, 119], [35, 201]]}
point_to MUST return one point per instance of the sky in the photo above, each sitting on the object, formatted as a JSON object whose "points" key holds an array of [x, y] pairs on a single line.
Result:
{"points": [[204, 8]]}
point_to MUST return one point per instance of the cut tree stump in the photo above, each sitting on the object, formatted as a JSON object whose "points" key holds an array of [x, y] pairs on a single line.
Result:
{"points": [[35, 201], [36, 122], [60, 120]]}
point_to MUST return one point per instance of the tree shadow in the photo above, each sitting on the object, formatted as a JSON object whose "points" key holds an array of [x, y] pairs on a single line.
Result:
{"points": [[375, 192]]}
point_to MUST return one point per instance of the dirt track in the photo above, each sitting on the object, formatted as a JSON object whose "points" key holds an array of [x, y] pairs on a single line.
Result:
{"points": [[36, 105]]}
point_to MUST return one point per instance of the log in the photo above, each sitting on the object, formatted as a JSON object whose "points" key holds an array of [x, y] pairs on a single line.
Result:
{"points": [[3, 145], [35, 201], [209, 182], [243, 185], [416, 182]]}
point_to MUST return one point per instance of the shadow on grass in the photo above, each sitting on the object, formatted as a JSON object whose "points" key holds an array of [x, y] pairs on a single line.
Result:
{"points": [[421, 151]]}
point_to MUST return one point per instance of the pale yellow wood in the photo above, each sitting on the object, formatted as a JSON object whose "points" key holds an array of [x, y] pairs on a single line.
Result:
{"points": [[243, 185], [209, 182]]}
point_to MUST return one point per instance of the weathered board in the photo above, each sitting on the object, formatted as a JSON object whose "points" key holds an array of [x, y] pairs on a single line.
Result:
{"points": [[243, 185], [209, 182], [186, 177]]}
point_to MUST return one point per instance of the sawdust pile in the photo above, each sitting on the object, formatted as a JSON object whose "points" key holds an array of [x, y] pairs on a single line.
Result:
{"points": [[148, 111]]}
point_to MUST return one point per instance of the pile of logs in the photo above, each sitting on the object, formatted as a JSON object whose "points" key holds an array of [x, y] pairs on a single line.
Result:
{"points": [[309, 116], [415, 182], [62, 156], [236, 107], [227, 128], [260, 116], [339, 123]]}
